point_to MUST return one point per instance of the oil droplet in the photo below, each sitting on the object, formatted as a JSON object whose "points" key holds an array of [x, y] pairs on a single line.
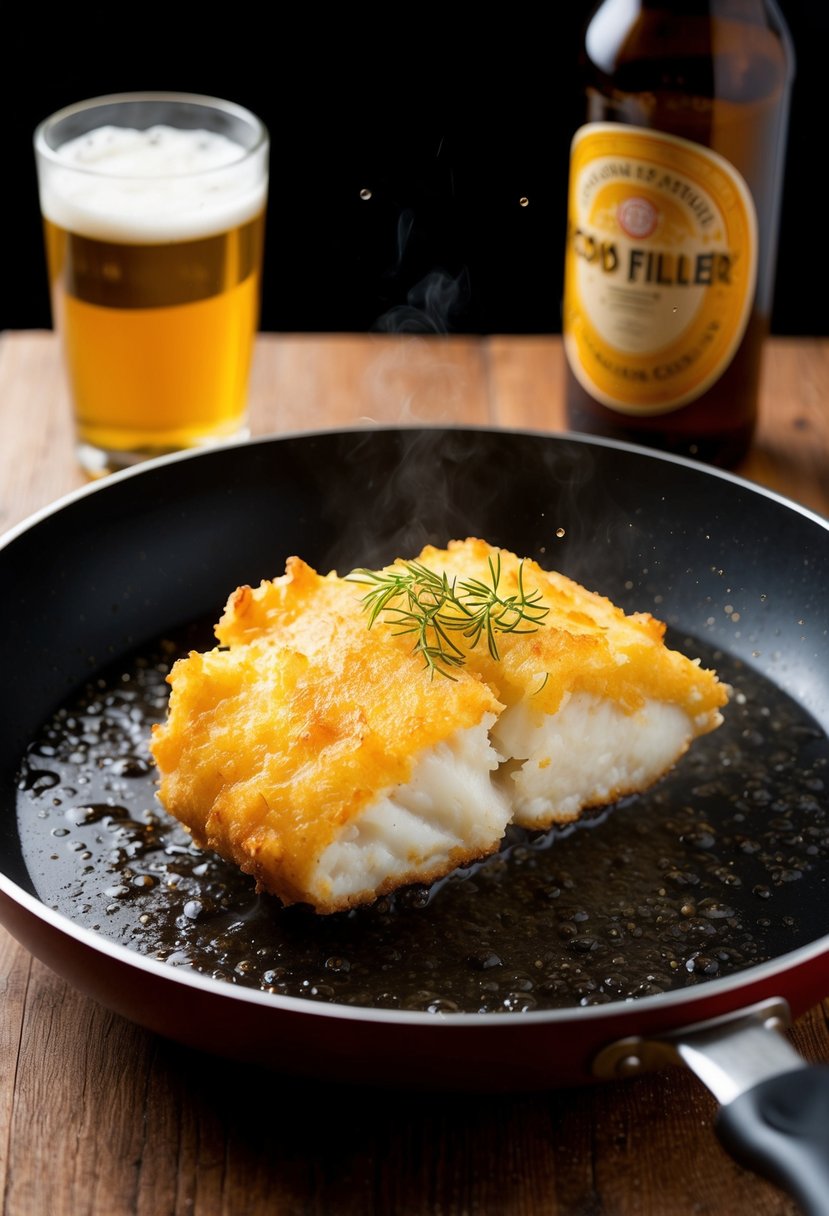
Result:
{"points": [[365, 195], [39, 779], [523, 202], [559, 533]]}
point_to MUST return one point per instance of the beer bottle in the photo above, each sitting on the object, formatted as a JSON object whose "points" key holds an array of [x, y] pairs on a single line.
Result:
{"points": [[672, 219]]}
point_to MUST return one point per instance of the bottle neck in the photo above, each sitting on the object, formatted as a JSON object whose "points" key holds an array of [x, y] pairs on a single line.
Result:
{"points": [[752, 12], [670, 34]]}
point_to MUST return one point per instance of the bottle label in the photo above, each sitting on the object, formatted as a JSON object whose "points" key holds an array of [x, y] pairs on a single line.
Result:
{"points": [[660, 267]]}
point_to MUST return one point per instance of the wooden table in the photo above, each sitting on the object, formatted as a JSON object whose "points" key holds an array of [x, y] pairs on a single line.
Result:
{"points": [[101, 1118]]}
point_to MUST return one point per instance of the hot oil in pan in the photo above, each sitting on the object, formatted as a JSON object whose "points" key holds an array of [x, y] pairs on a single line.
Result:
{"points": [[723, 865]]}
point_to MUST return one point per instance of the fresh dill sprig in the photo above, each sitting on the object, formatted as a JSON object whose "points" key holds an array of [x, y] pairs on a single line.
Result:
{"points": [[414, 599], [492, 613]]}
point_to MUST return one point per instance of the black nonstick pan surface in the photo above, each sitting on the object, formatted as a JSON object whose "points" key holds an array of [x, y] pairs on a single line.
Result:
{"points": [[564, 960]]}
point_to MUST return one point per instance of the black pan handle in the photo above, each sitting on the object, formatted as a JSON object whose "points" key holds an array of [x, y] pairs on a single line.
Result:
{"points": [[780, 1129], [774, 1107]]}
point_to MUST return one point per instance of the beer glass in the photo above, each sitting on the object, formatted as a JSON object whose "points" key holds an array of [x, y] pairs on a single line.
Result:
{"points": [[153, 208]]}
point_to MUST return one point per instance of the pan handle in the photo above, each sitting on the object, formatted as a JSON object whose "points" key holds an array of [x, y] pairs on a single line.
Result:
{"points": [[774, 1106], [780, 1129]]}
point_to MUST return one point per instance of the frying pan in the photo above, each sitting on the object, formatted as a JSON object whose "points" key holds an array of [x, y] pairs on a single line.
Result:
{"points": [[114, 566]]}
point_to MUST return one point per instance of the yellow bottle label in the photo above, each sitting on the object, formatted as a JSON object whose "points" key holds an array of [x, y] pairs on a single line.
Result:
{"points": [[660, 267]]}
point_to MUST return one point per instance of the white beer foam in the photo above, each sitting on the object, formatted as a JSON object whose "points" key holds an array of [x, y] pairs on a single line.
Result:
{"points": [[152, 186]]}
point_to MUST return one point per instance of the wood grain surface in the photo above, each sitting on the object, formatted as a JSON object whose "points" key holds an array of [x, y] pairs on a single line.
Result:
{"points": [[101, 1118]]}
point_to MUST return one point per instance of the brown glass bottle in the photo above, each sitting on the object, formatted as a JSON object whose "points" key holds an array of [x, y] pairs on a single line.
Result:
{"points": [[717, 73]]}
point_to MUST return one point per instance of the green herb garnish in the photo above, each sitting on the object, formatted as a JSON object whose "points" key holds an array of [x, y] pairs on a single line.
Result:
{"points": [[414, 599]]}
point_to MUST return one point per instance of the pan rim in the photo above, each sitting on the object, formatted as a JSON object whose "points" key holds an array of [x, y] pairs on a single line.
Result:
{"points": [[577, 438]]}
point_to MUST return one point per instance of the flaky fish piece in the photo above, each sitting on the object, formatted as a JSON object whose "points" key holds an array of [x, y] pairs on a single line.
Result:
{"points": [[596, 706], [320, 757], [353, 734]]}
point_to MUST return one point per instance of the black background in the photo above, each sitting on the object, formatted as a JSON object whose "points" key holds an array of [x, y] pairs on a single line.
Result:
{"points": [[448, 128]]}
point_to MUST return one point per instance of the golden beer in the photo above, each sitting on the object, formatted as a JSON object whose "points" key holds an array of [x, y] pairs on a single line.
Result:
{"points": [[154, 239]]}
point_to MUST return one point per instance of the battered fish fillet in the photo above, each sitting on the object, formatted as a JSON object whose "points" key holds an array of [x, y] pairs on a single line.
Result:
{"points": [[596, 705], [316, 749], [319, 757]]}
